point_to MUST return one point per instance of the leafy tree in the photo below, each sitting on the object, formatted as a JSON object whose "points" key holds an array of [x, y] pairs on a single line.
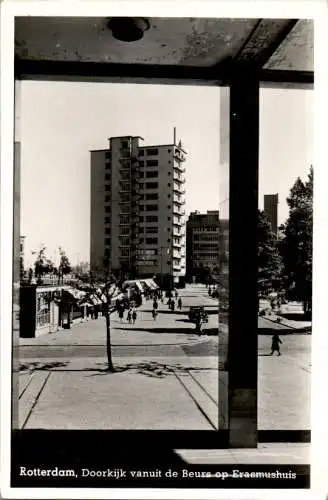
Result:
{"points": [[42, 264], [296, 244], [64, 264], [269, 260]]}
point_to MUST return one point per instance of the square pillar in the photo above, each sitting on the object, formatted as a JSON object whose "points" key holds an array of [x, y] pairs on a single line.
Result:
{"points": [[243, 215]]}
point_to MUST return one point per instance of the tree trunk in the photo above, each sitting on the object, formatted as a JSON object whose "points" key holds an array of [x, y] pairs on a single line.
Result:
{"points": [[110, 366]]}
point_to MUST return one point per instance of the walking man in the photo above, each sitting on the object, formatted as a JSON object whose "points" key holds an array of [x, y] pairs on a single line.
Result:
{"points": [[275, 344], [134, 315], [180, 303]]}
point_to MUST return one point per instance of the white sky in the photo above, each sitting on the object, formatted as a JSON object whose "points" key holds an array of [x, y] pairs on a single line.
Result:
{"points": [[60, 123]]}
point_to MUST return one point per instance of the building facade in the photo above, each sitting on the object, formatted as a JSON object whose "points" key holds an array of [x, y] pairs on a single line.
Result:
{"points": [[271, 210], [137, 209], [202, 244]]}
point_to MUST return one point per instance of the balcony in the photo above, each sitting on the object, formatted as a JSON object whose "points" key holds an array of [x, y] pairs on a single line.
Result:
{"points": [[177, 222], [178, 202], [179, 156], [176, 245], [178, 189], [178, 178]]}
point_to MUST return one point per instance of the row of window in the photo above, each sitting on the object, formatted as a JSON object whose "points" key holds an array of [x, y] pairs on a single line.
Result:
{"points": [[148, 163]]}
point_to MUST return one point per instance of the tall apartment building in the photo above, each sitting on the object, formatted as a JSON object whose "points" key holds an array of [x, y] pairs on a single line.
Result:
{"points": [[271, 210], [202, 242], [137, 214]]}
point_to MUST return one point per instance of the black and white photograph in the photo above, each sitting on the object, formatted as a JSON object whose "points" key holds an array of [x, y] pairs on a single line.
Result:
{"points": [[162, 252]]}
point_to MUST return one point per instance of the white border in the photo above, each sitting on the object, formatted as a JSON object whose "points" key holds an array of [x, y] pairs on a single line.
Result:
{"points": [[316, 9]]}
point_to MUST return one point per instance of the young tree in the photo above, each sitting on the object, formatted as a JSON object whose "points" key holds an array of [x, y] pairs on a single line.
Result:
{"points": [[42, 264], [269, 260], [296, 244], [64, 264]]}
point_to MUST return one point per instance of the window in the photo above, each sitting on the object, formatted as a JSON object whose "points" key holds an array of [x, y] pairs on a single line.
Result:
{"points": [[151, 208], [125, 219], [124, 144], [107, 210], [141, 229], [152, 152], [169, 196], [169, 150], [168, 229], [141, 218], [107, 220], [169, 206], [168, 184], [141, 185], [151, 241], [107, 241], [152, 196], [141, 163], [151, 218], [141, 208], [152, 185], [125, 241], [125, 230], [151, 230], [107, 198], [141, 241], [168, 262], [152, 163], [169, 173], [169, 240], [107, 187], [169, 218], [107, 230], [141, 175], [107, 166], [107, 155], [141, 152], [107, 252], [107, 177], [151, 174]]}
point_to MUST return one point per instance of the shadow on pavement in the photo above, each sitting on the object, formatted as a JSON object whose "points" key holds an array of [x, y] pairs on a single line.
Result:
{"points": [[150, 369], [163, 329], [295, 316], [285, 331]]}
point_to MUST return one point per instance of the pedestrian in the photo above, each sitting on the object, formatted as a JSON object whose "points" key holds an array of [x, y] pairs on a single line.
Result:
{"points": [[134, 315], [180, 303], [121, 313], [129, 316], [176, 294], [154, 313], [172, 305], [209, 291], [275, 344], [155, 304], [169, 302]]}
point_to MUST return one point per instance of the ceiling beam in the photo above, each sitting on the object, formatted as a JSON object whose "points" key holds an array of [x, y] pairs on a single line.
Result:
{"points": [[158, 74], [264, 40]]}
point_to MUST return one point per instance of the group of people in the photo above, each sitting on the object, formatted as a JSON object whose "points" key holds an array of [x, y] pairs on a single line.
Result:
{"points": [[131, 314]]}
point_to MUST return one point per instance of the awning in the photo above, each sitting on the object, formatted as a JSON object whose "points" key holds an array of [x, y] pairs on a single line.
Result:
{"points": [[151, 283], [131, 283]]}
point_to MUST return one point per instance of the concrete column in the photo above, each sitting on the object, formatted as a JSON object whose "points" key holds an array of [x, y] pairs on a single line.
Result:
{"points": [[243, 209]]}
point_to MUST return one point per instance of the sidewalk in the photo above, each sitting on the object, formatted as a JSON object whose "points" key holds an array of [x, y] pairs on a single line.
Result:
{"points": [[155, 392]]}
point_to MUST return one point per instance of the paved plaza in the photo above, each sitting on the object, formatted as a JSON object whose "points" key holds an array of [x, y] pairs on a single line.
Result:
{"points": [[166, 377]]}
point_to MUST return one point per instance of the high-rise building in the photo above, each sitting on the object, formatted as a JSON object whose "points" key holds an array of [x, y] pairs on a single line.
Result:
{"points": [[271, 210], [137, 214], [202, 243]]}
